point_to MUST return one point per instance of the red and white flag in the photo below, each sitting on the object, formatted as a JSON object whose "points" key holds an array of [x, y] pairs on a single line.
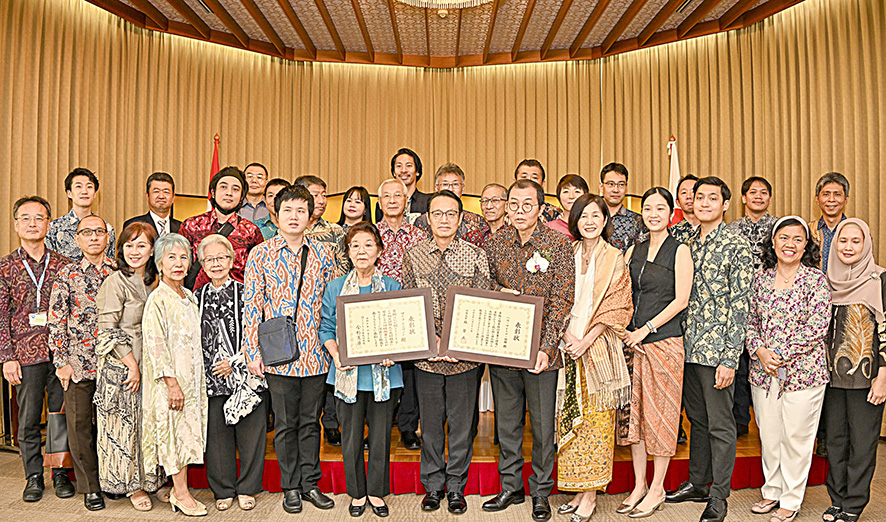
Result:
{"points": [[674, 177], [214, 168]]}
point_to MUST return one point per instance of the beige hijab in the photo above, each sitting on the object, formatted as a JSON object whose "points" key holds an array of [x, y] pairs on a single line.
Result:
{"points": [[858, 283]]}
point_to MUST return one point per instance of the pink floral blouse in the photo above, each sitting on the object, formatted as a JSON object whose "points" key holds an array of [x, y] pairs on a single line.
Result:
{"points": [[794, 322]]}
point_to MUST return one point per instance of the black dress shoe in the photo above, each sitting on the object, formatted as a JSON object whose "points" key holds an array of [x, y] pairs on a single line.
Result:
{"points": [[715, 510], [504, 499], [33, 488], [541, 509], [688, 491], [821, 448], [114, 496], [333, 436], [457, 503], [432, 499], [356, 511], [380, 511], [317, 498], [410, 440], [292, 501], [94, 501], [62, 485]]}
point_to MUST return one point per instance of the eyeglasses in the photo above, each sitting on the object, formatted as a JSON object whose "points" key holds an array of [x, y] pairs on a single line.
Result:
{"points": [[353, 247], [614, 184], [494, 201], [89, 232], [450, 214], [514, 206], [213, 260], [449, 186], [395, 195], [38, 219]]}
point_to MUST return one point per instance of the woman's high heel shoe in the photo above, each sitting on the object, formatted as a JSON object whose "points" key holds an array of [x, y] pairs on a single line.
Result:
{"points": [[198, 511], [566, 509], [636, 513], [626, 508]]}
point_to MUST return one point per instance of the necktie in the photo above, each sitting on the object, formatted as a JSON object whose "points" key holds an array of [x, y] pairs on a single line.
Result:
{"points": [[162, 226]]}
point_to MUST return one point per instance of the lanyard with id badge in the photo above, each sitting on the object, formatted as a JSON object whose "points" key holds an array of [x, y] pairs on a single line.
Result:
{"points": [[38, 318]]}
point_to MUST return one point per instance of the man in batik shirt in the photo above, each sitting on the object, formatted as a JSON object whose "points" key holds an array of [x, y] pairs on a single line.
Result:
{"points": [[319, 228], [452, 178], [532, 170], [627, 226], [831, 196], [81, 187], [686, 227]]}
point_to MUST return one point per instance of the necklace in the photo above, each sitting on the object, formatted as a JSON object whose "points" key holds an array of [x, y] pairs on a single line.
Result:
{"points": [[787, 279]]}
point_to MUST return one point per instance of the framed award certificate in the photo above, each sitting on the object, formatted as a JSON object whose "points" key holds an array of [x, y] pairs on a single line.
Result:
{"points": [[491, 327], [395, 325]]}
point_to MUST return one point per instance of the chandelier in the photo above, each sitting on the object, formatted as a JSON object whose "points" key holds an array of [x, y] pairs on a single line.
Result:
{"points": [[444, 4]]}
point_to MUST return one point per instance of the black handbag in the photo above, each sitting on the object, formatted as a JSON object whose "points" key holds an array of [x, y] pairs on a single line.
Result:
{"points": [[277, 339]]}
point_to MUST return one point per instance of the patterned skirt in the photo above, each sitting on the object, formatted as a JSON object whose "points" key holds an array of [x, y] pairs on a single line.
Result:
{"points": [[585, 462], [657, 388], [118, 419]]}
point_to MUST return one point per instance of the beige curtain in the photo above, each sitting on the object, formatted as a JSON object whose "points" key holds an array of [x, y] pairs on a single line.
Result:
{"points": [[790, 98]]}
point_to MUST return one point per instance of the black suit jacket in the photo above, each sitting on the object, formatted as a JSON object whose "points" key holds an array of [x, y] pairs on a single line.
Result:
{"points": [[419, 205], [174, 224]]}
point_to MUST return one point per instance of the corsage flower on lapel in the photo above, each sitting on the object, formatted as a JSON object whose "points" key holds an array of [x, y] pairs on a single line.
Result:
{"points": [[537, 263]]}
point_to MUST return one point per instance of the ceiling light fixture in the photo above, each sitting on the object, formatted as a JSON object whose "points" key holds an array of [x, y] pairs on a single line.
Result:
{"points": [[444, 4]]}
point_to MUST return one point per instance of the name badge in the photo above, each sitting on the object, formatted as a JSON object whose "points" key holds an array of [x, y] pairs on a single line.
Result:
{"points": [[38, 319]]}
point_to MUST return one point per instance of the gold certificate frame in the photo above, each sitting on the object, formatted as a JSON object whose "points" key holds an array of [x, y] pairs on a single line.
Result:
{"points": [[492, 327], [396, 325]]}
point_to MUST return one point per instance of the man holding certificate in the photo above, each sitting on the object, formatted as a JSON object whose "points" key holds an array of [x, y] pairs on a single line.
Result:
{"points": [[437, 263], [529, 258]]}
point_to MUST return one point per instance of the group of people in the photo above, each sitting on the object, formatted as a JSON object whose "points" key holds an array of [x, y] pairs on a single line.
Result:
{"points": [[153, 342]]}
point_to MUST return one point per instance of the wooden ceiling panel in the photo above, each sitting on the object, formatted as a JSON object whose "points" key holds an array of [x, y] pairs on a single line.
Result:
{"points": [[610, 17], [345, 21], [378, 22], [540, 23], [443, 33], [411, 23], [507, 25], [472, 38], [392, 32]]}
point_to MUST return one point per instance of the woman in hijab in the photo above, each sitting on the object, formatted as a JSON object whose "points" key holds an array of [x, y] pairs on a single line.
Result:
{"points": [[856, 350]]}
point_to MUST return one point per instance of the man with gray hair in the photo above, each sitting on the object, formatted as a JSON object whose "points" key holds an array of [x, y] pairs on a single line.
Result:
{"points": [[451, 177], [493, 200], [831, 196]]}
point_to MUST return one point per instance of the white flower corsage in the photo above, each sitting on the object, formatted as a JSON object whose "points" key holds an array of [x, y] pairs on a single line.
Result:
{"points": [[537, 263]]}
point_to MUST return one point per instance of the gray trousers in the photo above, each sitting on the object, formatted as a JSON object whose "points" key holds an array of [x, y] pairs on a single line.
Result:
{"points": [[509, 388], [37, 380], [297, 402], [442, 400], [378, 415], [222, 443], [712, 440]]}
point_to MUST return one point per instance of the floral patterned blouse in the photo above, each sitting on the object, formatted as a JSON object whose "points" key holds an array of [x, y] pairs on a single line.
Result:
{"points": [[793, 321]]}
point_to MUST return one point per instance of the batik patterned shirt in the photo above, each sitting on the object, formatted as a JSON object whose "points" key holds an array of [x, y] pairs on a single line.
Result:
{"points": [[508, 258], [267, 227], [683, 231], [459, 264], [716, 322], [627, 229], [823, 236], [19, 340], [333, 235], [549, 212], [244, 237], [73, 316], [62, 239], [755, 233], [468, 229], [793, 321], [390, 262], [272, 275]]}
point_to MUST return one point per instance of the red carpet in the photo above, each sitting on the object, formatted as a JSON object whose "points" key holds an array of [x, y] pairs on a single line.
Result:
{"points": [[483, 476]]}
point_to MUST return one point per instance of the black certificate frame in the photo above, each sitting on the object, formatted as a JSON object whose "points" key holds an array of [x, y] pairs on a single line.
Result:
{"points": [[422, 352], [462, 355]]}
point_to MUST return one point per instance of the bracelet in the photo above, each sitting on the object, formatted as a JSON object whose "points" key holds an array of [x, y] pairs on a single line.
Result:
{"points": [[651, 328]]}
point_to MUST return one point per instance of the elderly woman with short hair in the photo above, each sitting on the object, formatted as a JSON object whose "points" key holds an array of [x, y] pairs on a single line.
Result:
{"points": [[174, 385], [237, 409]]}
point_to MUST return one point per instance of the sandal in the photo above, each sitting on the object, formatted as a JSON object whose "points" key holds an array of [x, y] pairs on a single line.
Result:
{"points": [[830, 514], [163, 494], [223, 504], [764, 506], [778, 517], [848, 517], [247, 502], [141, 502]]}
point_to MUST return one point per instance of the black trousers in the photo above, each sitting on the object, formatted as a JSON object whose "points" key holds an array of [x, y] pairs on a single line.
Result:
{"points": [[741, 407], [853, 434], [452, 400], [297, 402], [509, 390], [378, 415], [37, 380], [81, 434], [329, 420], [407, 412], [222, 442], [712, 440]]}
